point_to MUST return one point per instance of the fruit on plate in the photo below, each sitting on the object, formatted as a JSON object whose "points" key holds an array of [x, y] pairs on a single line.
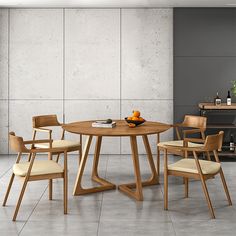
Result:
{"points": [[131, 125], [135, 119], [136, 116], [136, 113]]}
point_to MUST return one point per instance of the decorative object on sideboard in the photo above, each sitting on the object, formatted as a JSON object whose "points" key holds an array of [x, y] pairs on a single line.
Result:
{"points": [[228, 100], [217, 100], [231, 143]]}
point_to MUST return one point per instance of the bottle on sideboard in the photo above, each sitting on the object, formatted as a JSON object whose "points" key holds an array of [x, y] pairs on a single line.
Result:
{"points": [[228, 102], [231, 143], [217, 100]]}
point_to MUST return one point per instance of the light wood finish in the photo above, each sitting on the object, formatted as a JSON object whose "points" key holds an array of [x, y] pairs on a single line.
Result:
{"points": [[121, 129], [39, 125], [212, 106], [105, 185], [190, 125], [212, 144], [17, 144]]}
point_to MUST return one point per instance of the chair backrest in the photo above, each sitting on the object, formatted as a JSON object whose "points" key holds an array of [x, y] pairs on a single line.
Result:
{"points": [[195, 122], [214, 142], [17, 143], [45, 120]]}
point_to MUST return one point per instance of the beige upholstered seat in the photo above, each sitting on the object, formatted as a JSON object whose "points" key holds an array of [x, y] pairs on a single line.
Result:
{"points": [[41, 167], [179, 143], [59, 144], [189, 165]]}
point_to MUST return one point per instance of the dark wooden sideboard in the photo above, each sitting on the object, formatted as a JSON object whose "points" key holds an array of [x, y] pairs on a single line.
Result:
{"points": [[221, 117]]}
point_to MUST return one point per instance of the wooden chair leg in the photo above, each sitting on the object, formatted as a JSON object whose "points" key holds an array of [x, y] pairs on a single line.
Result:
{"points": [[186, 183], [207, 198], [8, 189], [65, 181], [225, 187], [204, 185], [20, 198], [165, 181], [223, 178], [58, 156], [50, 189], [50, 181]]}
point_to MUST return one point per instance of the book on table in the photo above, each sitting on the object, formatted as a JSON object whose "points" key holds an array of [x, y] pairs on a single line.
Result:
{"points": [[103, 124]]}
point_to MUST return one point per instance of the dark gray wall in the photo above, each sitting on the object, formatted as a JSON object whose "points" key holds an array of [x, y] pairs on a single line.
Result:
{"points": [[204, 56]]}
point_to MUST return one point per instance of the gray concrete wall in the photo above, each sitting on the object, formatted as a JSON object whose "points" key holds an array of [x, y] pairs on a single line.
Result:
{"points": [[204, 56], [85, 64]]}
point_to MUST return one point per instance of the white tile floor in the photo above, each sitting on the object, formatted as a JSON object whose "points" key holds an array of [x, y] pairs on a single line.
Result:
{"points": [[112, 213]]}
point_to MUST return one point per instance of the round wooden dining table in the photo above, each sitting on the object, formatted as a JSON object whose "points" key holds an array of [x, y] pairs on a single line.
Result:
{"points": [[133, 190]]}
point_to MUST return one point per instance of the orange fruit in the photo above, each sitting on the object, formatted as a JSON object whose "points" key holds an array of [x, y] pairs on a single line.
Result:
{"points": [[131, 125], [136, 113], [135, 118], [129, 118], [140, 118]]}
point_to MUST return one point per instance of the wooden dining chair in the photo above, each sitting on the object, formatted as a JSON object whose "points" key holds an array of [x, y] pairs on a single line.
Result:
{"points": [[33, 170], [197, 169], [39, 124], [191, 125]]}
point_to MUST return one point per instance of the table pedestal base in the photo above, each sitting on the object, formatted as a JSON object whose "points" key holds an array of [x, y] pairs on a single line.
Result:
{"points": [[128, 188], [106, 185]]}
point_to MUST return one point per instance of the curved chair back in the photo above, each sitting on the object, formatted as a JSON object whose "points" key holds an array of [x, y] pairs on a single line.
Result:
{"points": [[45, 120], [17, 143], [195, 122], [214, 142]]}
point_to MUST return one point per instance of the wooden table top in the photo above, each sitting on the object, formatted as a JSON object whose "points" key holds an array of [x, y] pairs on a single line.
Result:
{"points": [[121, 129]]}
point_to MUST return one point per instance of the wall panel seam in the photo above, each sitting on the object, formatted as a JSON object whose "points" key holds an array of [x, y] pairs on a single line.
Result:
{"points": [[63, 58], [8, 77], [120, 68]]}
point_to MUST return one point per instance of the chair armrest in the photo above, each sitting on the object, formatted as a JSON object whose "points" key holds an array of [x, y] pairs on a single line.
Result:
{"points": [[189, 149], [194, 140], [38, 141], [41, 150], [191, 131], [43, 130]]}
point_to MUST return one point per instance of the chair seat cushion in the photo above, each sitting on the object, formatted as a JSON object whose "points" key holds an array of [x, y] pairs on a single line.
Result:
{"points": [[40, 167], [59, 144], [189, 165], [179, 143]]}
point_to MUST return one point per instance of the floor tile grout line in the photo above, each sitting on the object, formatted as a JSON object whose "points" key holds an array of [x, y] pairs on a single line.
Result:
{"points": [[168, 213], [33, 210], [2, 175]]}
